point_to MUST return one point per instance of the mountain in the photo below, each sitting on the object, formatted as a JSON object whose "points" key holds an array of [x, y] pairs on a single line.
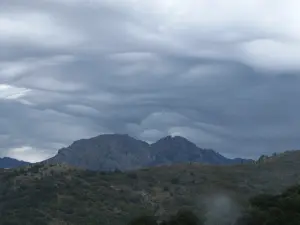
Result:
{"points": [[170, 150], [122, 152], [58, 194], [105, 152], [8, 163]]}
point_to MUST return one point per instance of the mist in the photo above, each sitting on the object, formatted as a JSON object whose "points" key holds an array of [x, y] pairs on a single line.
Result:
{"points": [[221, 209]]}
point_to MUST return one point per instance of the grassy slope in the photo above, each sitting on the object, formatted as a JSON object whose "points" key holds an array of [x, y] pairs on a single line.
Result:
{"points": [[63, 195]]}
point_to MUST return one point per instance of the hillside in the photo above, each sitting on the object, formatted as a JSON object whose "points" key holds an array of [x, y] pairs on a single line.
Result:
{"points": [[59, 194], [7, 162], [116, 151], [262, 209]]}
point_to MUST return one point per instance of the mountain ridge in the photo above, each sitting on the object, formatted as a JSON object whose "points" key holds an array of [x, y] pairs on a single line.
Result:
{"points": [[8, 163], [123, 152]]}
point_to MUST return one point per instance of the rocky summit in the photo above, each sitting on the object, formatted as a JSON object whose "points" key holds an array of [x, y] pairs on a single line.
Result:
{"points": [[122, 152]]}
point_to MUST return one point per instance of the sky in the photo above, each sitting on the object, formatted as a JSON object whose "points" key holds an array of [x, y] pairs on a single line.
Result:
{"points": [[224, 74]]}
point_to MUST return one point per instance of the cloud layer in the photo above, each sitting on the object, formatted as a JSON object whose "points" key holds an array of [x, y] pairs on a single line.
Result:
{"points": [[223, 74]]}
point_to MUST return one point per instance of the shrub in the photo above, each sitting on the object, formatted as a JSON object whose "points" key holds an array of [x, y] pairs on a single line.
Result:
{"points": [[175, 180], [144, 220], [184, 217], [132, 175]]}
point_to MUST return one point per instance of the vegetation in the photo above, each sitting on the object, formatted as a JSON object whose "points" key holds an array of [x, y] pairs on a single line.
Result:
{"points": [[263, 209], [182, 217], [268, 209], [62, 195]]}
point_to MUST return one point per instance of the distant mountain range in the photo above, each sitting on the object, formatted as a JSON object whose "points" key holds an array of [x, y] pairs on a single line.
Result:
{"points": [[8, 163], [117, 151]]}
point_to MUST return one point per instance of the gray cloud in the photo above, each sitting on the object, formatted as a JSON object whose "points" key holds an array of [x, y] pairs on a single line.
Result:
{"points": [[227, 78]]}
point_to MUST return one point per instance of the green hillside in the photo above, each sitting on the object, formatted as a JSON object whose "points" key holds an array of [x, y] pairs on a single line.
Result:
{"points": [[59, 194]]}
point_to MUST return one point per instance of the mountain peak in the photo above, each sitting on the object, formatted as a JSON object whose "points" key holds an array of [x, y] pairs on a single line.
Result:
{"points": [[174, 138], [105, 152], [123, 152], [174, 142]]}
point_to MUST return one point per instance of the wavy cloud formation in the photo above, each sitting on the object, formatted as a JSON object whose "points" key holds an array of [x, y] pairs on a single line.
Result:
{"points": [[223, 74]]}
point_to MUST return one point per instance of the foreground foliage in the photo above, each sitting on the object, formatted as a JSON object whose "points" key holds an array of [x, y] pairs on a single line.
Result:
{"points": [[182, 217], [268, 209], [61, 195], [263, 209]]}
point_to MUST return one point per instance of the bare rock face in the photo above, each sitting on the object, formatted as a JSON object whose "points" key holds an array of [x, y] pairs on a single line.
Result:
{"points": [[122, 152]]}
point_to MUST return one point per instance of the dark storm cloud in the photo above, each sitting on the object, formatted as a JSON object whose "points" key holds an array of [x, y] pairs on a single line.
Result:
{"points": [[73, 69]]}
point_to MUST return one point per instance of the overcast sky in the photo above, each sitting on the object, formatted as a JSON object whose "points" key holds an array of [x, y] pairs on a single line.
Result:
{"points": [[224, 74]]}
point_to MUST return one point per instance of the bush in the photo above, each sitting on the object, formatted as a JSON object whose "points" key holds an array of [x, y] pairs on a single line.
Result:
{"points": [[185, 217], [144, 220], [166, 188], [132, 176], [175, 180]]}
